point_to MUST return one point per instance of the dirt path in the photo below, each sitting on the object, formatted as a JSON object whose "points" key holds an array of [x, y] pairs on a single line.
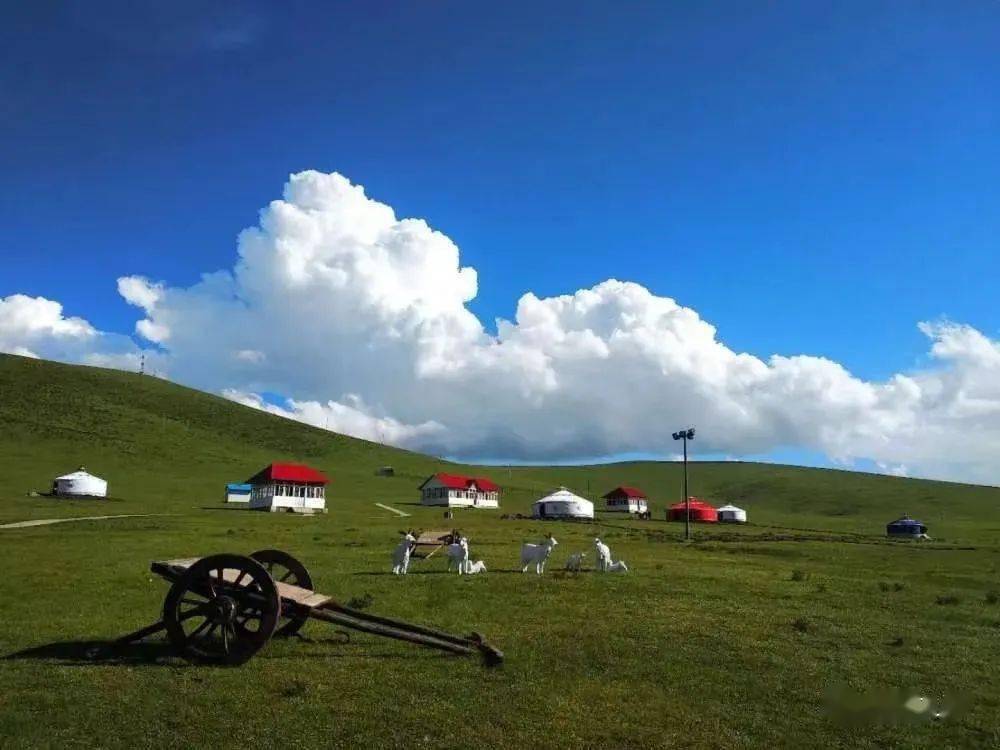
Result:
{"points": [[397, 512], [49, 521]]}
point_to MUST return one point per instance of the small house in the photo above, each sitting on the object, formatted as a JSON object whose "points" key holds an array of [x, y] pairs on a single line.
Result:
{"points": [[626, 500], [295, 488], [732, 514], [79, 484], [562, 504], [906, 528], [238, 493], [701, 512], [456, 491]]}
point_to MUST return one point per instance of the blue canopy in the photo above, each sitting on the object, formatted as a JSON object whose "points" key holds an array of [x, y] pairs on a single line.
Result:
{"points": [[238, 488]]}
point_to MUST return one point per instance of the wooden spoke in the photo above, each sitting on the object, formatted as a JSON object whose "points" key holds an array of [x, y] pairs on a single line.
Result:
{"points": [[286, 569], [200, 629], [239, 616]]}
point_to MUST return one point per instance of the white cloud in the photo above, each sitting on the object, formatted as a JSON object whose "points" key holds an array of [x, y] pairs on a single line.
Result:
{"points": [[353, 418], [36, 327], [24, 318], [252, 356], [338, 304]]}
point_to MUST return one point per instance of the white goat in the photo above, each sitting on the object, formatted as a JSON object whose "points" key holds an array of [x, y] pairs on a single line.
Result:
{"points": [[537, 554], [401, 555], [475, 567], [575, 561], [458, 555], [603, 555], [618, 567]]}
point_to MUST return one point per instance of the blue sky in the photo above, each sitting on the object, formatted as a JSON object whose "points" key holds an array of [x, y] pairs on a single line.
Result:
{"points": [[811, 178]]}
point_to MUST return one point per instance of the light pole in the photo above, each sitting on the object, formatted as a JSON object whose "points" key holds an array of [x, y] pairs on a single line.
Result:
{"points": [[686, 435]]}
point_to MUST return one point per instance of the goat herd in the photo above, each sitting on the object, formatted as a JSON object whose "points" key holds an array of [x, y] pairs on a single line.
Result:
{"points": [[457, 555]]}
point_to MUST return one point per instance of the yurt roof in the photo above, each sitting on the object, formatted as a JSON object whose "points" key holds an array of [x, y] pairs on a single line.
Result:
{"points": [[905, 521], [693, 502], [562, 495], [730, 507], [78, 474]]}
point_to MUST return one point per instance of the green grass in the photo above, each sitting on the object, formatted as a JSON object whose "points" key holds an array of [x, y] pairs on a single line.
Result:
{"points": [[731, 641]]}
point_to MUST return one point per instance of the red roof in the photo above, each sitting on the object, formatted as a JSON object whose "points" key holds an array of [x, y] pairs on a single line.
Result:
{"points": [[626, 492], [694, 502], [299, 473], [458, 482]]}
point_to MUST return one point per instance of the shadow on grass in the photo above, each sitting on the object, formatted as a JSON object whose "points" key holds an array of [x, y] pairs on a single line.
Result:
{"points": [[219, 507], [489, 572], [100, 653], [162, 654]]}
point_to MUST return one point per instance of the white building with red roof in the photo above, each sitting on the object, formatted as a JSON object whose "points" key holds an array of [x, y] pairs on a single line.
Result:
{"points": [[456, 491], [294, 488], [626, 500]]}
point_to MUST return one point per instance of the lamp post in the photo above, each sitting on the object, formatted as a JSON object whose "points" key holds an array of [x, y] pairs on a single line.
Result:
{"points": [[685, 435]]}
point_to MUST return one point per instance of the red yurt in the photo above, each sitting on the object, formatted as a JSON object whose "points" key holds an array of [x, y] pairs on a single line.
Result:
{"points": [[701, 511]]}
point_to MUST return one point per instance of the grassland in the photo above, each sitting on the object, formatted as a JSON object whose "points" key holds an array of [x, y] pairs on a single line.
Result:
{"points": [[731, 641]]}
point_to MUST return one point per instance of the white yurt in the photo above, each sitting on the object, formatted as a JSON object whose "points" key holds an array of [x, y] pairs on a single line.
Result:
{"points": [[562, 504], [731, 514], [80, 484]]}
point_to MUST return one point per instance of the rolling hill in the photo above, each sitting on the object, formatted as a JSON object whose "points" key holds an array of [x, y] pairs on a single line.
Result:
{"points": [[165, 447], [735, 640]]}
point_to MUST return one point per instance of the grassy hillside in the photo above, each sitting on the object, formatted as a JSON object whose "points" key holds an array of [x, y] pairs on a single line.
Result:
{"points": [[729, 642], [167, 448]]}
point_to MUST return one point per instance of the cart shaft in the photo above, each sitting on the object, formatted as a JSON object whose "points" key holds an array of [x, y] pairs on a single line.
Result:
{"points": [[375, 628]]}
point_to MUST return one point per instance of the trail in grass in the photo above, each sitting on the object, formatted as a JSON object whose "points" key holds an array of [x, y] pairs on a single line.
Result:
{"points": [[49, 521], [394, 510]]}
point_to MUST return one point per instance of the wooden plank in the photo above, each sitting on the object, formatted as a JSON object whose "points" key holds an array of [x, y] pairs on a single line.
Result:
{"points": [[296, 594], [299, 595]]}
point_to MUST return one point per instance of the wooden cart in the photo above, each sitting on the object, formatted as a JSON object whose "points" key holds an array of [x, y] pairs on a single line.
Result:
{"points": [[224, 608], [429, 542]]}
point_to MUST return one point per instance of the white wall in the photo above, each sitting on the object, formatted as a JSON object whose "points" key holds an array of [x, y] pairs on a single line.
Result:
{"points": [[81, 484], [441, 496], [287, 496]]}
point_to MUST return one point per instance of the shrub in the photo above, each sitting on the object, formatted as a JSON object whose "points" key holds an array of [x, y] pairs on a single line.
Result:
{"points": [[801, 624], [891, 586], [799, 575], [992, 597], [361, 602], [947, 599], [294, 689], [897, 641]]}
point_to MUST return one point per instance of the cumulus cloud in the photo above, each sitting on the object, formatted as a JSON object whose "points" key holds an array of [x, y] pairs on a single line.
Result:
{"points": [[37, 327], [353, 418], [338, 304]]}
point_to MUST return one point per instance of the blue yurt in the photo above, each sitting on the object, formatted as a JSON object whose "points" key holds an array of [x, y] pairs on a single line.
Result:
{"points": [[905, 528]]}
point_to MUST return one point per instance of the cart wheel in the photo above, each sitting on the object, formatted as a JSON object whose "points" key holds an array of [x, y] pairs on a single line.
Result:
{"points": [[286, 569], [222, 610]]}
